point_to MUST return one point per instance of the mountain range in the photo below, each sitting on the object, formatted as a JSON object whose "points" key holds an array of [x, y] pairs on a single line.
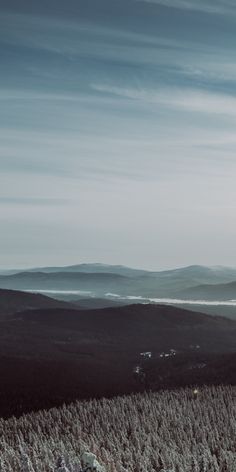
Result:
{"points": [[98, 280], [53, 351], [222, 292]]}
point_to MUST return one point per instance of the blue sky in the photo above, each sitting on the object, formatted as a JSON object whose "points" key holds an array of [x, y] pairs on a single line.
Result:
{"points": [[117, 132]]}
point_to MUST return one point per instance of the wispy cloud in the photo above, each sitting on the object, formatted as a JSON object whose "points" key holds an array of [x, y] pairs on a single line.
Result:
{"points": [[154, 133], [215, 6], [189, 100], [32, 201], [78, 42], [73, 38]]}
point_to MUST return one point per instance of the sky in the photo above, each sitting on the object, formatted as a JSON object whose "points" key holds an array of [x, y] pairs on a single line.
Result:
{"points": [[117, 132]]}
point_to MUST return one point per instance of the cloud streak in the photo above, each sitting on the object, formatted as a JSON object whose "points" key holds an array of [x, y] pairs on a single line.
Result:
{"points": [[219, 7], [32, 201], [81, 40], [118, 132], [189, 100]]}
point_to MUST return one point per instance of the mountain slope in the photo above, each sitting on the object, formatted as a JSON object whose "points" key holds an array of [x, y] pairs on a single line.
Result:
{"points": [[137, 327], [100, 279], [51, 356], [91, 268], [138, 433], [87, 268], [61, 281], [12, 301], [98, 303], [211, 292]]}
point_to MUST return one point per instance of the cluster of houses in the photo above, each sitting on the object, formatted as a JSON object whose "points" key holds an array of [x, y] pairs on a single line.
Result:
{"points": [[170, 353], [138, 369]]}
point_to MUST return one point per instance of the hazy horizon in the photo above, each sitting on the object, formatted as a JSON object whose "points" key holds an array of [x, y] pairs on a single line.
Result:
{"points": [[117, 133], [137, 267]]}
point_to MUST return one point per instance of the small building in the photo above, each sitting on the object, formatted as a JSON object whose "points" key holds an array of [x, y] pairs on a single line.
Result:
{"points": [[137, 370], [170, 353], [146, 355]]}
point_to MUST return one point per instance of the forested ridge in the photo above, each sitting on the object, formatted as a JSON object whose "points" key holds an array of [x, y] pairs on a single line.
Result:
{"points": [[171, 431]]}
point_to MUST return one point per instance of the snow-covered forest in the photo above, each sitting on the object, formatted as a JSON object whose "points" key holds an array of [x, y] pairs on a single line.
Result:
{"points": [[179, 431]]}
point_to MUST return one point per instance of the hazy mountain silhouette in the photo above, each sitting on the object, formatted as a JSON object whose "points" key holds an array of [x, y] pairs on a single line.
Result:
{"points": [[211, 292], [92, 268], [61, 281], [100, 279]]}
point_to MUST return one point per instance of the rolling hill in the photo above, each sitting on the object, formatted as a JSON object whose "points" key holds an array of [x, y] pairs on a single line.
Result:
{"points": [[91, 268], [98, 303], [62, 281], [49, 356], [12, 301], [211, 292], [99, 279]]}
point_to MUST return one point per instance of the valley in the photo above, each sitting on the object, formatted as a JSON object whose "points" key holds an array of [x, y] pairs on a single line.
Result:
{"points": [[79, 339]]}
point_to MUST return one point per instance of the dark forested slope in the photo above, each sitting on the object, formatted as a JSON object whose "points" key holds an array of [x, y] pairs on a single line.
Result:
{"points": [[50, 356], [12, 301]]}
